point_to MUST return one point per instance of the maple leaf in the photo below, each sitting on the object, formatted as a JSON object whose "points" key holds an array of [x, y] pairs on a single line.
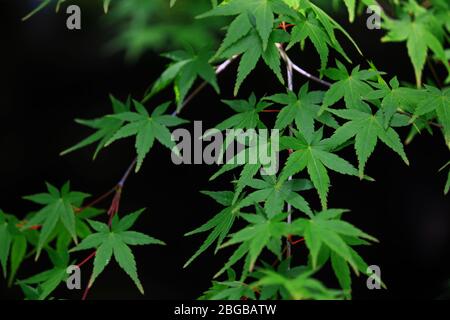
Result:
{"points": [[303, 109], [58, 207], [437, 101], [260, 11], [247, 116], [310, 27], [49, 280], [146, 128], [220, 224], [299, 286], [106, 127], [115, 240], [274, 193], [350, 86], [313, 154], [367, 128], [185, 69], [325, 229], [13, 245], [5, 241], [419, 37], [263, 231], [250, 47], [393, 97]]}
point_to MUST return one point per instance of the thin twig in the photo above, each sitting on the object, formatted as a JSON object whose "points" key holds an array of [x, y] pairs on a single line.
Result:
{"points": [[94, 202], [304, 73], [219, 69], [290, 84], [87, 259], [431, 123], [114, 208], [328, 84]]}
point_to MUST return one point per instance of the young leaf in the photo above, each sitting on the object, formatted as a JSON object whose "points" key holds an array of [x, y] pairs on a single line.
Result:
{"points": [[146, 128], [116, 242], [58, 207], [352, 87], [314, 155], [437, 101], [106, 127], [367, 128], [220, 225]]}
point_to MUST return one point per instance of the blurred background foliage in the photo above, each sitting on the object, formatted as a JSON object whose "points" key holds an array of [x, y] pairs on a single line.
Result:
{"points": [[142, 25], [138, 26]]}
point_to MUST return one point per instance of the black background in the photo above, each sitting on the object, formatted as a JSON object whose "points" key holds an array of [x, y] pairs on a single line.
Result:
{"points": [[50, 75]]}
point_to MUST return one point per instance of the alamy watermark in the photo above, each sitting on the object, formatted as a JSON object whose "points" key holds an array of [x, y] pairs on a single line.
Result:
{"points": [[73, 22], [374, 20], [374, 279], [234, 147], [73, 281]]}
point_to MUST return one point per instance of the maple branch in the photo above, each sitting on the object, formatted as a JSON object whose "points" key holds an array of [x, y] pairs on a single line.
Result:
{"points": [[328, 84], [94, 202], [114, 208], [219, 69], [87, 259], [290, 85], [295, 67]]}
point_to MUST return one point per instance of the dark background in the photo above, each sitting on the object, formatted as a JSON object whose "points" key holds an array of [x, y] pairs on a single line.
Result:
{"points": [[50, 75]]}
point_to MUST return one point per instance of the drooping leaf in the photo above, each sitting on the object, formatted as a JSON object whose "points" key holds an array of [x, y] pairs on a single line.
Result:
{"points": [[115, 241]]}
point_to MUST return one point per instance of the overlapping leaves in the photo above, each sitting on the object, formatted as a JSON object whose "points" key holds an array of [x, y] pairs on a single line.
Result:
{"points": [[58, 207]]}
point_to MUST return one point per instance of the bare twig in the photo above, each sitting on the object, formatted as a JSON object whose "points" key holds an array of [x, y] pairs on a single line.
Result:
{"points": [[304, 73], [328, 84], [194, 93], [114, 207], [290, 84]]}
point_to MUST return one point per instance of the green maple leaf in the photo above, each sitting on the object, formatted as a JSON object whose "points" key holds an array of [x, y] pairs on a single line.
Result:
{"points": [[419, 37], [261, 14], [393, 97], [185, 69], [314, 155], [367, 128], [106, 127], [437, 101], [58, 207], [231, 289], [351, 7], [115, 240], [13, 245], [299, 287], [49, 280], [247, 117], [303, 109], [263, 231], [252, 51], [251, 160], [350, 86], [146, 128], [325, 229], [247, 114], [5, 241], [274, 193], [220, 224], [311, 28], [330, 25]]}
